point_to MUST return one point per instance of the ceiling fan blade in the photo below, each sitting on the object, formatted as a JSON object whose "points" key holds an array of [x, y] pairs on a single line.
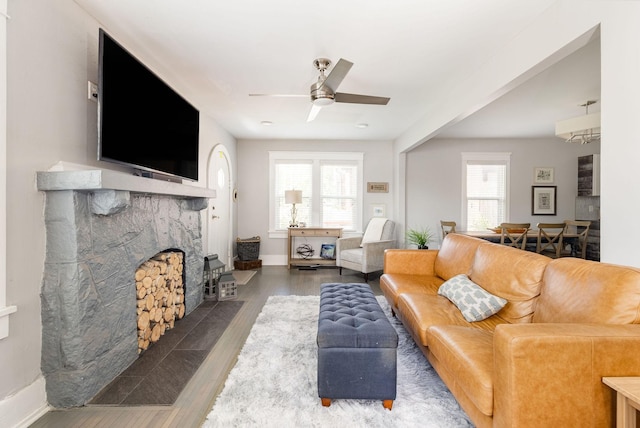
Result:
{"points": [[338, 73], [341, 97], [279, 95], [313, 112]]}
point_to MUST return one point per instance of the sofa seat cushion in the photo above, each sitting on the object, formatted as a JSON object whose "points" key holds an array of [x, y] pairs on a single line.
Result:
{"points": [[419, 311], [394, 285], [468, 352]]}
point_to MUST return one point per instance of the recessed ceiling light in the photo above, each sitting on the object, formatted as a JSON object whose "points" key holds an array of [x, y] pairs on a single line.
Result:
{"points": [[362, 125], [266, 123]]}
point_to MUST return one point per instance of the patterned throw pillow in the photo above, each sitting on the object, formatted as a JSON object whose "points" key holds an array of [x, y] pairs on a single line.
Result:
{"points": [[474, 302]]}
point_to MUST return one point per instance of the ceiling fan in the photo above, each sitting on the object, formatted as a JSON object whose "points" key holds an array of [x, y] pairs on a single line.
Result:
{"points": [[323, 92]]}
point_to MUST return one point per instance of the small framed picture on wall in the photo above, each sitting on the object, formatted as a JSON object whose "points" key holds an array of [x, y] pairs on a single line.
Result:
{"points": [[543, 175], [378, 210], [543, 200]]}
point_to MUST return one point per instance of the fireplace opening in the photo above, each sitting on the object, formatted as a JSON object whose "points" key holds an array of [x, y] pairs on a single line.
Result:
{"points": [[160, 296]]}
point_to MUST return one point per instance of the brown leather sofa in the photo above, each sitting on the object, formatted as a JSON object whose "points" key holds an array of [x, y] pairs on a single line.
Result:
{"points": [[540, 360]]}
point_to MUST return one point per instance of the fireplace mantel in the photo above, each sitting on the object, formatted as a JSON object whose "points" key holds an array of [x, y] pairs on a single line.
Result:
{"points": [[103, 179]]}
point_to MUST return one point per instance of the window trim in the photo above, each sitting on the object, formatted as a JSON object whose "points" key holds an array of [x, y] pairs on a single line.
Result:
{"points": [[317, 158], [485, 157]]}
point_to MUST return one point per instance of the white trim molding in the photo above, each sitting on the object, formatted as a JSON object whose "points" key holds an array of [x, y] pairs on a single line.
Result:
{"points": [[5, 311], [4, 320], [26, 406]]}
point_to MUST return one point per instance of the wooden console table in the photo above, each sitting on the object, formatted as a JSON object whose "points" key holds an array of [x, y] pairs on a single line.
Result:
{"points": [[311, 232], [628, 399]]}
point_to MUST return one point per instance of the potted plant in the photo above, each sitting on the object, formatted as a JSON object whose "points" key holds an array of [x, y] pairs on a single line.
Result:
{"points": [[419, 237]]}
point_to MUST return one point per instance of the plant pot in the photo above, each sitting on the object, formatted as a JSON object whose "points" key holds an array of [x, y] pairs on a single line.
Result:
{"points": [[423, 247]]}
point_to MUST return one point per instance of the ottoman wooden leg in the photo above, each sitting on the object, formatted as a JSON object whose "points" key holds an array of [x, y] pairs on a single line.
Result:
{"points": [[326, 402], [387, 404]]}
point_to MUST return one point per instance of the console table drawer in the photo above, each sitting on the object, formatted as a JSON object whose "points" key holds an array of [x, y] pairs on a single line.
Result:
{"points": [[315, 232], [301, 232], [328, 232]]}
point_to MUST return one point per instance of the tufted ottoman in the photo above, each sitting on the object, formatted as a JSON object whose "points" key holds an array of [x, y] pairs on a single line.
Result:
{"points": [[356, 346]]}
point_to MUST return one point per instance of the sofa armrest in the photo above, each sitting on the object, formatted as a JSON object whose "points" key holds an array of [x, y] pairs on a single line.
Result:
{"points": [[552, 373], [413, 262]]}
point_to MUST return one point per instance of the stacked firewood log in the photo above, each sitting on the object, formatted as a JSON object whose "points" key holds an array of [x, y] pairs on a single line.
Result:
{"points": [[160, 294]]}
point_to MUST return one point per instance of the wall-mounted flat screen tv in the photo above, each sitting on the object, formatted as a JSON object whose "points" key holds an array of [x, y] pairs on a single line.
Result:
{"points": [[142, 121]]}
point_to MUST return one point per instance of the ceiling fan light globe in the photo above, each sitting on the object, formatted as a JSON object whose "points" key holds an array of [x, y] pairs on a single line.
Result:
{"points": [[323, 101]]}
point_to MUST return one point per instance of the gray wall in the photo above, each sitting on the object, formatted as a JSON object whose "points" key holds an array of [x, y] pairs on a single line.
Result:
{"points": [[253, 184], [434, 177]]}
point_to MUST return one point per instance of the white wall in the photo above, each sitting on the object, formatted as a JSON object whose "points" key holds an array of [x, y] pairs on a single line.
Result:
{"points": [[434, 177], [620, 204], [52, 51], [253, 185]]}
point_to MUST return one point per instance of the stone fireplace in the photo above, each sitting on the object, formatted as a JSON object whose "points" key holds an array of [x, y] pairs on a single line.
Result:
{"points": [[101, 226]]}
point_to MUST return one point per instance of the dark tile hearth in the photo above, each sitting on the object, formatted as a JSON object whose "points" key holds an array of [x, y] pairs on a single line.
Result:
{"points": [[160, 374]]}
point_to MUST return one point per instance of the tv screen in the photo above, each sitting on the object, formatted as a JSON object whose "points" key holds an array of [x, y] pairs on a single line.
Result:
{"points": [[142, 121]]}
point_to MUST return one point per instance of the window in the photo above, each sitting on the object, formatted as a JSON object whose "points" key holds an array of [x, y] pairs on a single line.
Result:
{"points": [[485, 190], [331, 186]]}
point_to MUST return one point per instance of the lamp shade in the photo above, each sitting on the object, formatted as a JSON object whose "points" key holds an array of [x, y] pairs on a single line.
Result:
{"points": [[293, 196]]}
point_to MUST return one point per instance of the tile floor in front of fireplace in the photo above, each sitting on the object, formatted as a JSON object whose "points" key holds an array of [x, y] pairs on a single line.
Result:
{"points": [[161, 372]]}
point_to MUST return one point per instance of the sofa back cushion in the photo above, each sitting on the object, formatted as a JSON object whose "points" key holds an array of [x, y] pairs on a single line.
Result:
{"points": [[456, 255], [582, 291], [512, 274]]}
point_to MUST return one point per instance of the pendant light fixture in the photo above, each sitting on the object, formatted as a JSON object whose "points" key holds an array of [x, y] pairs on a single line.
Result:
{"points": [[582, 129]]}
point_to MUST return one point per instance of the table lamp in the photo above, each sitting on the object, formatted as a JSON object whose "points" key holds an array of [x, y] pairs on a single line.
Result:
{"points": [[293, 197]]}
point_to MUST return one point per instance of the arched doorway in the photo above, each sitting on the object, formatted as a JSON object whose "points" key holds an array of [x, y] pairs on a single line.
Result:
{"points": [[220, 211]]}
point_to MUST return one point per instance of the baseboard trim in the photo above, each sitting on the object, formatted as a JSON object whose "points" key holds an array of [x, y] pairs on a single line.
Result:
{"points": [[25, 407], [273, 260]]}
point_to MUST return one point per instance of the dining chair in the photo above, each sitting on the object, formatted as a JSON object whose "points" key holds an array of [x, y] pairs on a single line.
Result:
{"points": [[514, 234], [576, 233], [447, 227], [550, 239]]}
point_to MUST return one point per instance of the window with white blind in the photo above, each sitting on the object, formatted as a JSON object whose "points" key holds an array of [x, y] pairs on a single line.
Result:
{"points": [[485, 190], [331, 186]]}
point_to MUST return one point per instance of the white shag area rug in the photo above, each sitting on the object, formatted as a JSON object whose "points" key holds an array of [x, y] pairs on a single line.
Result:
{"points": [[274, 382]]}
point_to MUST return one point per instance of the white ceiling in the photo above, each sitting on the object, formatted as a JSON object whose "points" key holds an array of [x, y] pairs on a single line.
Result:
{"points": [[217, 52]]}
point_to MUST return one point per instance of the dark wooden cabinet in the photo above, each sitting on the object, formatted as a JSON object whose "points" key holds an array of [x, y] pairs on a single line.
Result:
{"points": [[589, 175], [588, 201]]}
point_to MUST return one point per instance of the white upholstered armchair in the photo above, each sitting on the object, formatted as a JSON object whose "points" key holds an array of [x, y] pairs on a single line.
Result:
{"points": [[366, 254]]}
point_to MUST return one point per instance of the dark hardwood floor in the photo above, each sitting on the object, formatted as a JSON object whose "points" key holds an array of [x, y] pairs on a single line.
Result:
{"points": [[198, 396]]}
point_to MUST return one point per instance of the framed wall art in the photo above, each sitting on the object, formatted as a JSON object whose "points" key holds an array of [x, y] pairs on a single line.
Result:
{"points": [[377, 187], [378, 210], [543, 175], [543, 200]]}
